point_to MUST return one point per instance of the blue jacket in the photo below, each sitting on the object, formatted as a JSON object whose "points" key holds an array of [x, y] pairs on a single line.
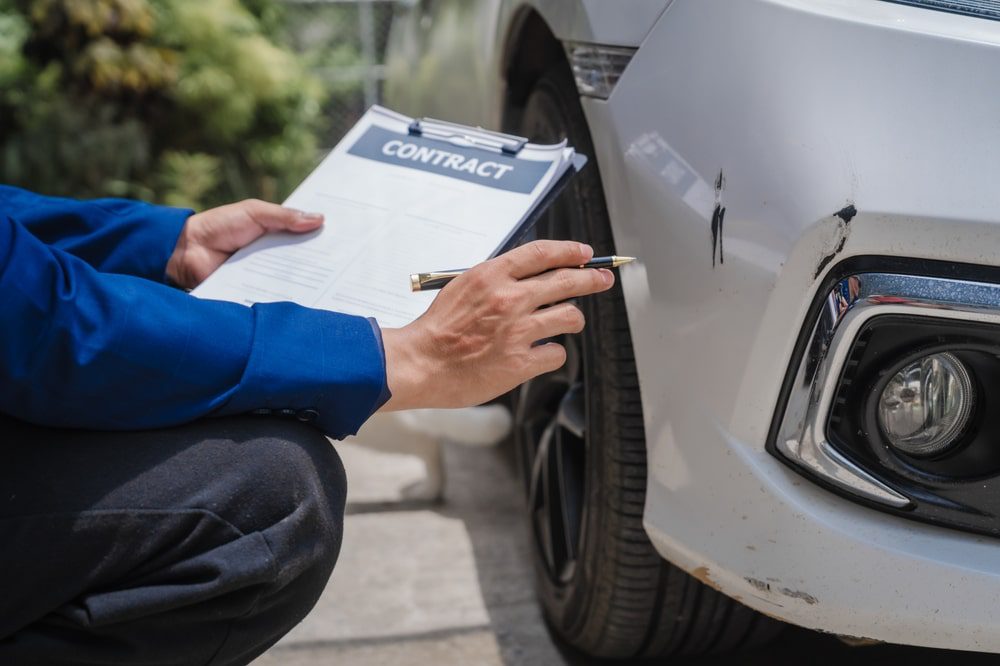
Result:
{"points": [[92, 337]]}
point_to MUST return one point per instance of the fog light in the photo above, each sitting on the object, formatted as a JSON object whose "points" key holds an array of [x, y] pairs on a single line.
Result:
{"points": [[925, 407]]}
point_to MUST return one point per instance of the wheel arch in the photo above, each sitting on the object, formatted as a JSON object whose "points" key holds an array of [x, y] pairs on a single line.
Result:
{"points": [[529, 49]]}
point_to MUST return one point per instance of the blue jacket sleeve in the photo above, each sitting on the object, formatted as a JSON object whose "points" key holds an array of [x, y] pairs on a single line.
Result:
{"points": [[81, 348], [112, 235]]}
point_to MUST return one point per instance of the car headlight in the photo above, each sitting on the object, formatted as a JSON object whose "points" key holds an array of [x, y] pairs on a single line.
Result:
{"points": [[926, 405]]}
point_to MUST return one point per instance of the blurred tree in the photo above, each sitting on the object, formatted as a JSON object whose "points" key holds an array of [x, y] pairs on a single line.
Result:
{"points": [[330, 38], [188, 102]]}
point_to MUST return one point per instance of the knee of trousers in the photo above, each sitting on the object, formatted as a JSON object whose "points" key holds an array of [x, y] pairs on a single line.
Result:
{"points": [[281, 485], [295, 497], [223, 530], [278, 483], [293, 490]]}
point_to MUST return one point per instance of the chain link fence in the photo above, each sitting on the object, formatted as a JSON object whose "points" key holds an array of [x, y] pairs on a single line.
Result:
{"points": [[343, 43]]}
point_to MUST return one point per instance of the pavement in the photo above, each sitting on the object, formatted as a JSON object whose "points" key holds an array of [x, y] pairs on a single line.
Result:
{"points": [[451, 583]]}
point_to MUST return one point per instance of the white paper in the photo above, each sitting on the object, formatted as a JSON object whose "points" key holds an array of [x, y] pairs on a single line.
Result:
{"points": [[383, 223]]}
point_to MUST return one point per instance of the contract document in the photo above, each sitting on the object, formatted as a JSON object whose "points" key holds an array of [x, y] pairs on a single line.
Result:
{"points": [[400, 196]]}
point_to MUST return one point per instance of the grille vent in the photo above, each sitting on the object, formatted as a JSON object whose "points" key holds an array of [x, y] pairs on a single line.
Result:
{"points": [[988, 9]]}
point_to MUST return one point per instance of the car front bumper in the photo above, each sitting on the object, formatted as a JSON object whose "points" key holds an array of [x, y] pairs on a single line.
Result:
{"points": [[779, 114]]}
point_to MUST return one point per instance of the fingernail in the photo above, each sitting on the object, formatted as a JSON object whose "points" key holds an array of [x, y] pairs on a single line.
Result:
{"points": [[586, 251], [305, 215], [609, 277]]}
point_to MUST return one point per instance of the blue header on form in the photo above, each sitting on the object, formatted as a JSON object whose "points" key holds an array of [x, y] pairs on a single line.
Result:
{"points": [[475, 165]]}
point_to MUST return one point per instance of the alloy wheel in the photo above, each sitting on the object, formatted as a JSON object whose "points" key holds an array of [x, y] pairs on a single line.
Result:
{"points": [[551, 416]]}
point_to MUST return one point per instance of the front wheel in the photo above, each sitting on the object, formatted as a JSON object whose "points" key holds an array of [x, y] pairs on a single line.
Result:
{"points": [[582, 451]]}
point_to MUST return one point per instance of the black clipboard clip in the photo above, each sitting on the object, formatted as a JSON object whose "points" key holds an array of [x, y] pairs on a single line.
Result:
{"points": [[508, 144]]}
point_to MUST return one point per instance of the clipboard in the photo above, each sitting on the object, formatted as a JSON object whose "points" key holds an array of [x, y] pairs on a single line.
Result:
{"points": [[402, 195]]}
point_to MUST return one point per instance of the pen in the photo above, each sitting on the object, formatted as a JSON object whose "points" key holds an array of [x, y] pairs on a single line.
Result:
{"points": [[438, 279]]}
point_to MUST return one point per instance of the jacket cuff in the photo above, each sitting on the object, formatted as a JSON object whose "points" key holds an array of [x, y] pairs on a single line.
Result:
{"points": [[145, 237], [386, 393], [314, 365], [170, 223]]}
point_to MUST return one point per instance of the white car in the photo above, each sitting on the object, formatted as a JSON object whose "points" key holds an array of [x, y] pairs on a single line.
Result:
{"points": [[790, 406]]}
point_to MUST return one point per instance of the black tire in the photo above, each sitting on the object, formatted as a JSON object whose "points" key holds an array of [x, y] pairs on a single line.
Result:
{"points": [[608, 594]]}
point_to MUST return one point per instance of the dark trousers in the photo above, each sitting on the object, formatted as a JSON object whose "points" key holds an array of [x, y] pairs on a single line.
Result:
{"points": [[201, 544]]}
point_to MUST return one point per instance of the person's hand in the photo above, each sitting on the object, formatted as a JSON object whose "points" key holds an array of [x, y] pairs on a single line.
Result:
{"points": [[477, 340], [210, 237]]}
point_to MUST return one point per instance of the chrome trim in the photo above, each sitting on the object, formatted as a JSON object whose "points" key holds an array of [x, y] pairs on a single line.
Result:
{"points": [[853, 302]]}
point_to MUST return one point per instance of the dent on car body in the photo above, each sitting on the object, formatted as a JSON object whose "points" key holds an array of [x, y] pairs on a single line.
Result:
{"points": [[844, 215], [718, 218]]}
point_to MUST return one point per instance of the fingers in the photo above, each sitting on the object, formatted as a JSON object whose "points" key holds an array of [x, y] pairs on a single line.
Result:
{"points": [[544, 255], [565, 283], [547, 358], [557, 320], [272, 217]]}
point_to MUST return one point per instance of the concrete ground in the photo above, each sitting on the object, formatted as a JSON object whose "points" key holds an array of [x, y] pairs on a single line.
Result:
{"points": [[451, 583]]}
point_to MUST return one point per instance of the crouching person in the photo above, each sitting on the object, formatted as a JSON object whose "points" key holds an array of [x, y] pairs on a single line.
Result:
{"points": [[168, 491]]}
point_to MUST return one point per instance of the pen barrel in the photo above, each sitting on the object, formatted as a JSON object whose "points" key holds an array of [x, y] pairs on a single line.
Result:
{"points": [[613, 261], [437, 280]]}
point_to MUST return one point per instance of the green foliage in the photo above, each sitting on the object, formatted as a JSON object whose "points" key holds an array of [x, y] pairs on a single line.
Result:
{"points": [[189, 102], [330, 38]]}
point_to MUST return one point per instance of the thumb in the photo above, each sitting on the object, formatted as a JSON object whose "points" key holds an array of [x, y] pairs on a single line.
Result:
{"points": [[272, 217]]}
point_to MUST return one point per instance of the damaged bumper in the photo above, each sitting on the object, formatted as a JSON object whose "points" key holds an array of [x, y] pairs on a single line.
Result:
{"points": [[744, 169]]}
